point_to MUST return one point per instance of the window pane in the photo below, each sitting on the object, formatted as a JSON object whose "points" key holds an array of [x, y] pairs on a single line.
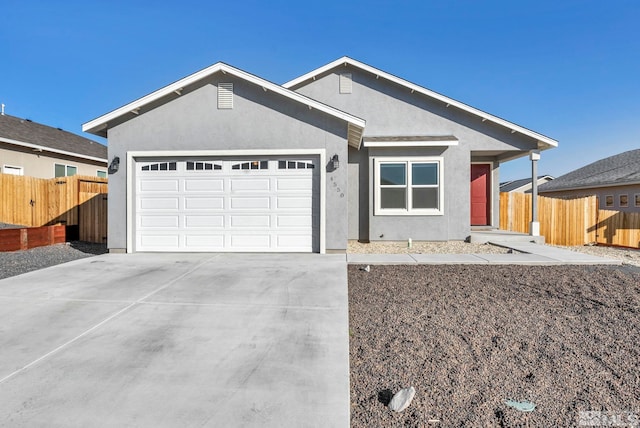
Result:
{"points": [[393, 197], [102, 174], [71, 170], [393, 174], [424, 173], [425, 198], [60, 170]]}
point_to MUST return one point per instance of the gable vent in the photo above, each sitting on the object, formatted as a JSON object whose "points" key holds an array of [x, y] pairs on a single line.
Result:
{"points": [[225, 95], [346, 85]]}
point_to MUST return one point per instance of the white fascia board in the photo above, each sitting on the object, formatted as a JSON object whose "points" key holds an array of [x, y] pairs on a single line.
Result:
{"points": [[416, 88], [49, 149], [100, 122], [410, 143]]}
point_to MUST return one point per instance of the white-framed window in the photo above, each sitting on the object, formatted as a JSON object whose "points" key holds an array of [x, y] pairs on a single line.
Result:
{"points": [[608, 201], [62, 170], [623, 200], [102, 174], [408, 186], [12, 170], [637, 199]]}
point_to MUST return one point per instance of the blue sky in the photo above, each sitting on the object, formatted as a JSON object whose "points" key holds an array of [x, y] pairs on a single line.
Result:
{"points": [[569, 69]]}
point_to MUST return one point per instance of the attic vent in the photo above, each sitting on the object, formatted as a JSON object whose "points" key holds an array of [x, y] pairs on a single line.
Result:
{"points": [[225, 95], [345, 83]]}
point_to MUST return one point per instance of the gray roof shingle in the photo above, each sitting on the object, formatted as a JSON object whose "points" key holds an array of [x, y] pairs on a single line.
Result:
{"points": [[27, 131], [620, 169]]}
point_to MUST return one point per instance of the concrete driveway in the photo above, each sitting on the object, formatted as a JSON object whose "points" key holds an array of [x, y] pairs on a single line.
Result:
{"points": [[177, 340]]}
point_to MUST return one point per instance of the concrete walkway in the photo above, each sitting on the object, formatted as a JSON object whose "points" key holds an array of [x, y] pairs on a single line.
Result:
{"points": [[177, 340], [526, 254]]}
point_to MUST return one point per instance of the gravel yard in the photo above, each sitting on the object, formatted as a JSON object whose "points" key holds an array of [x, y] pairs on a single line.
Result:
{"points": [[566, 338], [18, 262]]}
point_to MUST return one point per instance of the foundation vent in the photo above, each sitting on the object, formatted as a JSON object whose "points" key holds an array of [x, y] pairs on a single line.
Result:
{"points": [[346, 84], [225, 95]]}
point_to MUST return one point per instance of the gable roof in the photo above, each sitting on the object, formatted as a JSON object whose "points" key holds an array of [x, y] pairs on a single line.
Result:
{"points": [[617, 170], [26, 133], [99, 125], [544, 142], [509, 186]]}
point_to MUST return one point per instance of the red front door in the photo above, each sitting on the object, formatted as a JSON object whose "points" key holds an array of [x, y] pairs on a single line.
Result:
{"points": [[480, 191]]}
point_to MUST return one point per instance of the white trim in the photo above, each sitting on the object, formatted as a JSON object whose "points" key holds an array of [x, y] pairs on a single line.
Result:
{"points": [[408, 160], [410, 143], [49, 149], [416, 88], [131, 160], [620, 195], [13, 167], [94, 125], [491, 190], [613, 201]]}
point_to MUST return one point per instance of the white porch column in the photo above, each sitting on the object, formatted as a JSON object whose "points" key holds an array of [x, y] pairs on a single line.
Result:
{"points": [[534, 226]]}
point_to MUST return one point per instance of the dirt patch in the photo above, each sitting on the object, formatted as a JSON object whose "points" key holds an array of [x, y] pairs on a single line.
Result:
{"points": [[566, 338]]}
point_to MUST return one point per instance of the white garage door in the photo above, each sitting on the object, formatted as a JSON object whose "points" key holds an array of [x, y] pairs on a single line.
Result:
{"points": [[259, 204]]}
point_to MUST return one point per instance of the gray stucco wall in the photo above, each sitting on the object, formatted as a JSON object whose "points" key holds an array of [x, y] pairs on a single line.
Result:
{"points": [[392, 110], [259, 120]]}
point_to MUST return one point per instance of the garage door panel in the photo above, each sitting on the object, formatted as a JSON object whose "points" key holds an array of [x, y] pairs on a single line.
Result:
{"points": [[250, 184], [204, 242], [172, 185], [252, 221], [160, 242], [304, 184], [204, 221], [294, 241], [204, 185], [207, 205], [253, 241], [285, 221], [159, 203], [263, 203], [203, 203], [163, 221], [285, 202]]}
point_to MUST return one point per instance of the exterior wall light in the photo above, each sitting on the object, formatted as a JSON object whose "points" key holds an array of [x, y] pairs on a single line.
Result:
{"points": [[114, 166], [335, 161]]}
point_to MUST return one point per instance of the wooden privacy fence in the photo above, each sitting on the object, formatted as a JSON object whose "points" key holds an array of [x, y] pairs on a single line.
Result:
{"points": [[73, 201], [570, 221]]}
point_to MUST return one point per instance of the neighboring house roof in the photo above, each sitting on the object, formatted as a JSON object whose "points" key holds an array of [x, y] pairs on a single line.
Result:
{"points": [[26, 133], [99, 126], [618, 170], [544, 142], [510, 186]]}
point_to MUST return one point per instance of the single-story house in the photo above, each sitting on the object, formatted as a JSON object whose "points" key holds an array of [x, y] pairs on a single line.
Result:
{"points": [[523, 185], [32, 149], [223, 160], [614, 180]]}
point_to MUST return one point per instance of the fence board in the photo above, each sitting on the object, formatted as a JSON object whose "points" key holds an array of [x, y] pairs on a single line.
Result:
{"points": [[36, 202], [576, 221]]}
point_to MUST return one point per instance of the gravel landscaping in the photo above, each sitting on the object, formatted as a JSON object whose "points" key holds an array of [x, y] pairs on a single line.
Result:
{"points": [[18, 262], [468, 338]]}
